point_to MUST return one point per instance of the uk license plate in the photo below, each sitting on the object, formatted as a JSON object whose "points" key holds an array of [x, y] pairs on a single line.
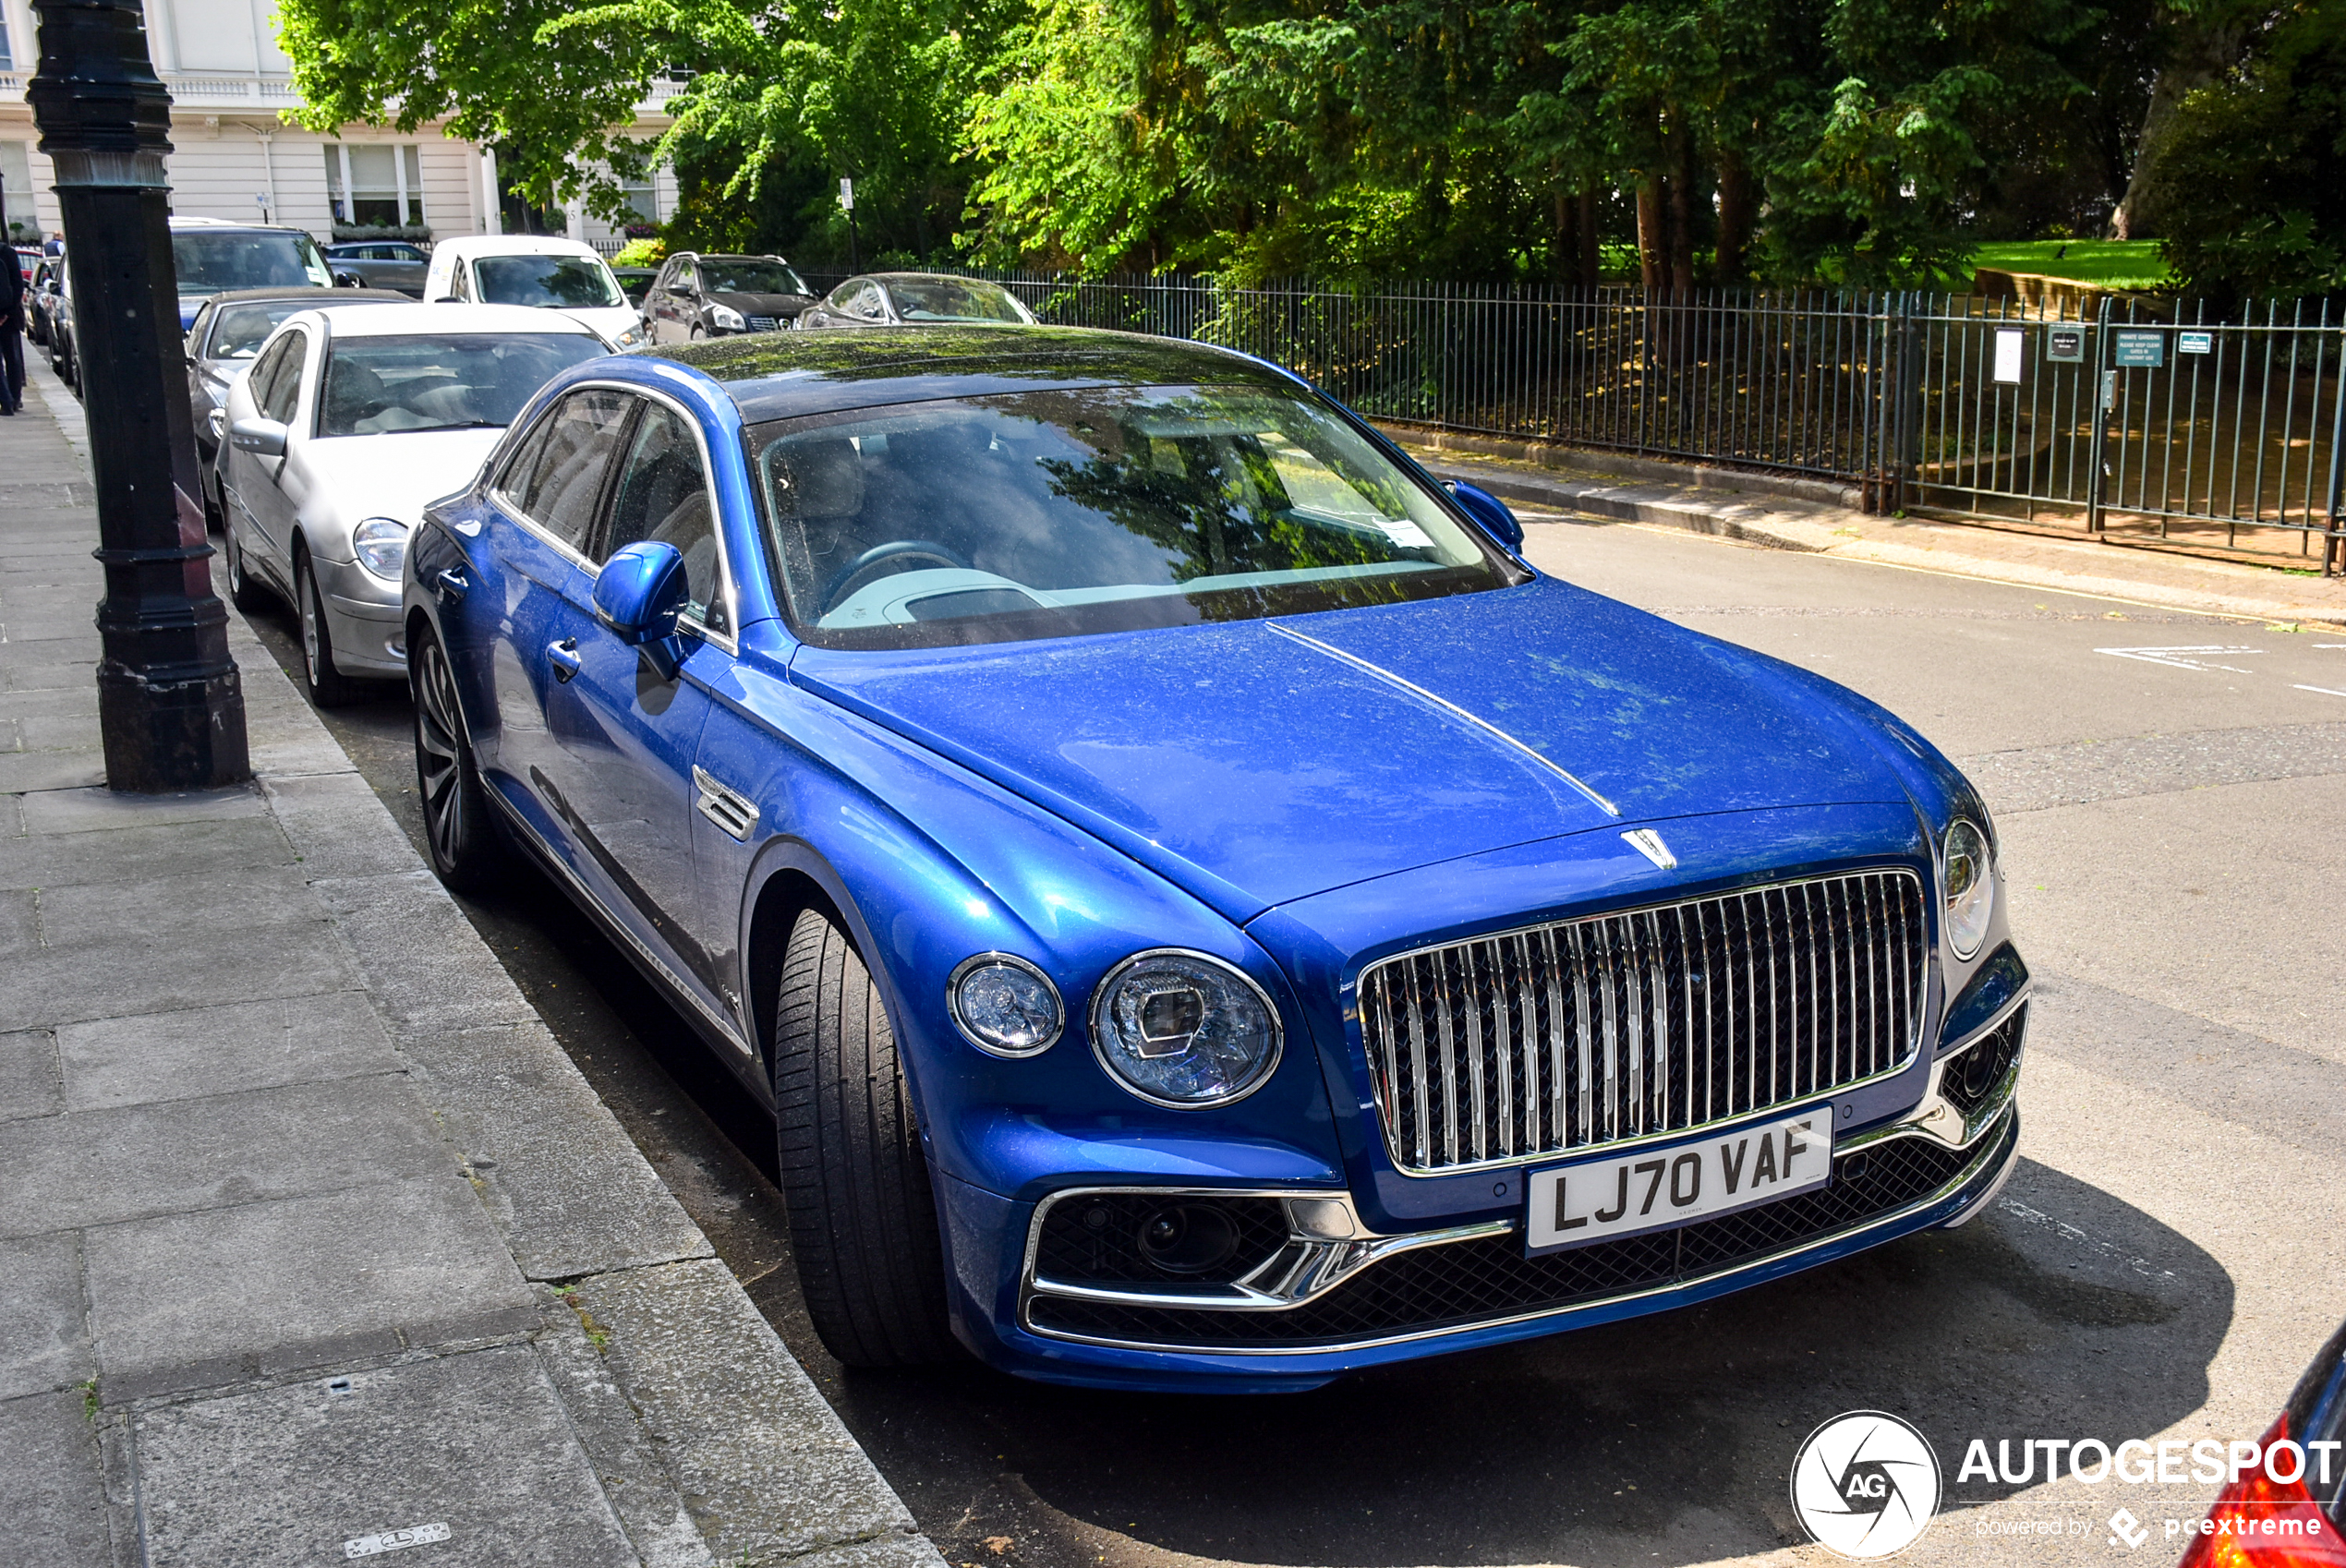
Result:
{"points": [[1655, 1189]]}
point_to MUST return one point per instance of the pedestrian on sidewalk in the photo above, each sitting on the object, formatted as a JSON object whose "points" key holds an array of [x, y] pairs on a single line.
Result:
{"points": [[11, 326]]}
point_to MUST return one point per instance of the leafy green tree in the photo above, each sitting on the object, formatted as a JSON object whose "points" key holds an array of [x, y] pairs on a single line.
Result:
{"points": [[2247, 183]]}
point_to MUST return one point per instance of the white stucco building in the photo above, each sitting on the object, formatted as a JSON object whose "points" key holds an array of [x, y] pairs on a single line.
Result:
{"points": [[231, 157]]}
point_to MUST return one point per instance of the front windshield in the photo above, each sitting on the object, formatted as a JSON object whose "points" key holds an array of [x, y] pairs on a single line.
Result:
{"points": [[723, 275], [441, 381], [242, 329], [955, 299], [207, 264], [1065, 512], [565, 282]]}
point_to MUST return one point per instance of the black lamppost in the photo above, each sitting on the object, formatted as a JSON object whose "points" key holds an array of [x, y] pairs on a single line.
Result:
{"points": [[170, 707]]}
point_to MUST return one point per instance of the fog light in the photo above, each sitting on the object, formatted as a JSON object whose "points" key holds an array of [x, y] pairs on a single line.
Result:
{"points": [[1187, 1238]]}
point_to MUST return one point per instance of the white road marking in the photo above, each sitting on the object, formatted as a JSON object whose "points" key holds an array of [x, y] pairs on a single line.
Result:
{"points": [[2068, 1232], [2323, 690], [2180, 658]]}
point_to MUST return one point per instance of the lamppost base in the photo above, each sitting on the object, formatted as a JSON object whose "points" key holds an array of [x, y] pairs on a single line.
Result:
{"points": [[176, 735]]}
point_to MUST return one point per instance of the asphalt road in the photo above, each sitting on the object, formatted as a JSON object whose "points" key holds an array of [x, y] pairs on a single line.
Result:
{"points": [[2165, 1261]]}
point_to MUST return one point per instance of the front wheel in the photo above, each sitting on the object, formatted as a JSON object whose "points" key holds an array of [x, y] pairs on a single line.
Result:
{"points": [[862, 1212], [466, 852], [242, 591], [328, 687]]}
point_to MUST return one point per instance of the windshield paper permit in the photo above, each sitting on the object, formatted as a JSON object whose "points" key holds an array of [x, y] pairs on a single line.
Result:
{"points": [[1655, 1189]]}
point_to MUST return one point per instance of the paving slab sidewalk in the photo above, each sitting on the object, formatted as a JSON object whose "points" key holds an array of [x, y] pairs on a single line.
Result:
{"points": [[1821, 518], [313, 1242]]}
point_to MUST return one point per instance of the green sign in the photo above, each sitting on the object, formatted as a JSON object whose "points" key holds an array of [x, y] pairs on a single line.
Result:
{"points": [[2194, 343], [2138, 350]]}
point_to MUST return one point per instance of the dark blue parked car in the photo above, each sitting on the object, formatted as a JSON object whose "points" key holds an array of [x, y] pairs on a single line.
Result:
{"points": [[1204, 911]]}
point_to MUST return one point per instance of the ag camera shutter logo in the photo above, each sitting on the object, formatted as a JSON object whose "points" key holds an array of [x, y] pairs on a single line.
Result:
{"points": [[1864, 1484]]}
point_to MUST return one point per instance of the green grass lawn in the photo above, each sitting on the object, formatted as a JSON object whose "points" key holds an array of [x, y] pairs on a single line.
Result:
{"points": [[2114, 263]]}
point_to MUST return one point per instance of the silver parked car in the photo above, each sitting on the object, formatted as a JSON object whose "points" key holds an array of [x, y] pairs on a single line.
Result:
{"points": [[349, 423], [917, 300]]}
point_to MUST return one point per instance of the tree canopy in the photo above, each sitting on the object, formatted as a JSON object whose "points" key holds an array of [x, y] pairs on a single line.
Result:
{"points": [[1681, 142]]}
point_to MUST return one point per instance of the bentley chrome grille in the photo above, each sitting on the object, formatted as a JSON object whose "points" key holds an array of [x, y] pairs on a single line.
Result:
{"points": [[1592, 1031]]}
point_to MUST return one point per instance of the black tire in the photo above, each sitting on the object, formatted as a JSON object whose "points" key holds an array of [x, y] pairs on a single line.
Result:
{"points": [[863, 1215], [468, 853], [244, 592], [215, 521], [328, 687]]}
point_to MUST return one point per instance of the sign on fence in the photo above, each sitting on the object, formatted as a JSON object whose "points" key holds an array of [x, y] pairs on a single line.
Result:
{"points": [[2008, 340], [2194, 343], [2065, 345], [2138, 351]]}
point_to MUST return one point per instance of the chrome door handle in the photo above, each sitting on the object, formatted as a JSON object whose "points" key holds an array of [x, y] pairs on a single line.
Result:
{"points": [[563, 657]]}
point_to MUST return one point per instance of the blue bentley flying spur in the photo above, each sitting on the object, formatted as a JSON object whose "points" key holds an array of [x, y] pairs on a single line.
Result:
{"points": [[1204, 911]]}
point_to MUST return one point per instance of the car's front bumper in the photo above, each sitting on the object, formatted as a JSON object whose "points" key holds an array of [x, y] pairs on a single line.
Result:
{"points": [[1331, 1307], [364, 620]]}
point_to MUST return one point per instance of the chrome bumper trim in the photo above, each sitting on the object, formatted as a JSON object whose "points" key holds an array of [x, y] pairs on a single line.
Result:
{"points": [[1190, 1301]]}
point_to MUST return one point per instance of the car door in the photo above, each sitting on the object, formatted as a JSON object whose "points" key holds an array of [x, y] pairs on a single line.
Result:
{"points": [[628, 737], [659, 304], [267, 510], [543, 507]]}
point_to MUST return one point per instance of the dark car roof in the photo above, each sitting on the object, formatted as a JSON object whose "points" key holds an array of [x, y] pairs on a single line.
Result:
{"points": [[780, 375]]}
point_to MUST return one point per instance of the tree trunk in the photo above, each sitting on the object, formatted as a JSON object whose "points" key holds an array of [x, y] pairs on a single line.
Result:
{"points": [[1681, 206], [1734, 219], [1564, 246], [1654, 259], [1591, 264], [2204, 49]]}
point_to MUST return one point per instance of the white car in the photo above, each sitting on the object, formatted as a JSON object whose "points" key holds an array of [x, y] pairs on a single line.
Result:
{"points": [[351, 420], [534, 270]]}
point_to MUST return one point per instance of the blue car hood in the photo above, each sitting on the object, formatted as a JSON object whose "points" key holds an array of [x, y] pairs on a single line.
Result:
{"points": [[1259, 762]]}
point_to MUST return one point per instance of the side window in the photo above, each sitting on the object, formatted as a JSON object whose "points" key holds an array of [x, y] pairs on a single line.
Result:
{"points": [[687, 277], [866, 304], [663, 495], [277, 386], [558, 476], [460, 280]]}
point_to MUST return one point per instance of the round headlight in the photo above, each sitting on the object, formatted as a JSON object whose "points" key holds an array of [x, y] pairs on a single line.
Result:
{"points": [[1183, 1029], [1005, 1005], [380, 544], [1970, 887]]}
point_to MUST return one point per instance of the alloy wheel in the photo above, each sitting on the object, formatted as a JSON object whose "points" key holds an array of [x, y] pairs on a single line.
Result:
{"points": [[438, 756]]}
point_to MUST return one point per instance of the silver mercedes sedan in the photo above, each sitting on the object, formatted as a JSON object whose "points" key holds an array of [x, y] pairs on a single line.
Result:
{"points": [[351, 420]]}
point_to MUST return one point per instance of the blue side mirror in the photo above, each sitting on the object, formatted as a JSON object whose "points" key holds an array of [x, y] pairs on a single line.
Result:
{"points": [[1489, 510], [640, 590]]}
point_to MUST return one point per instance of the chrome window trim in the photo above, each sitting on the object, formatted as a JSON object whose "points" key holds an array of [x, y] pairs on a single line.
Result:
{"points": [[729, 642], [1388, 1136], [1968, 1175]]}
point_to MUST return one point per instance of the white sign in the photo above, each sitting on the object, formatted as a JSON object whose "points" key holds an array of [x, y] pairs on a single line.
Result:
{"points": [[1650, 1188], [394, 1540], [2194, 343], [2008, 340], [847, 196]]}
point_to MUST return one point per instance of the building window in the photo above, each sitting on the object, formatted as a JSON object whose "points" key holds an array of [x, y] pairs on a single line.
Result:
{"points": [[642, 199], [375, 187], [7, 56], [18, 219]]}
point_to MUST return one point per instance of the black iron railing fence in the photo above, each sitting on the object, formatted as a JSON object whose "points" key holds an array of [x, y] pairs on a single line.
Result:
{"points": [[2171, 420]]}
